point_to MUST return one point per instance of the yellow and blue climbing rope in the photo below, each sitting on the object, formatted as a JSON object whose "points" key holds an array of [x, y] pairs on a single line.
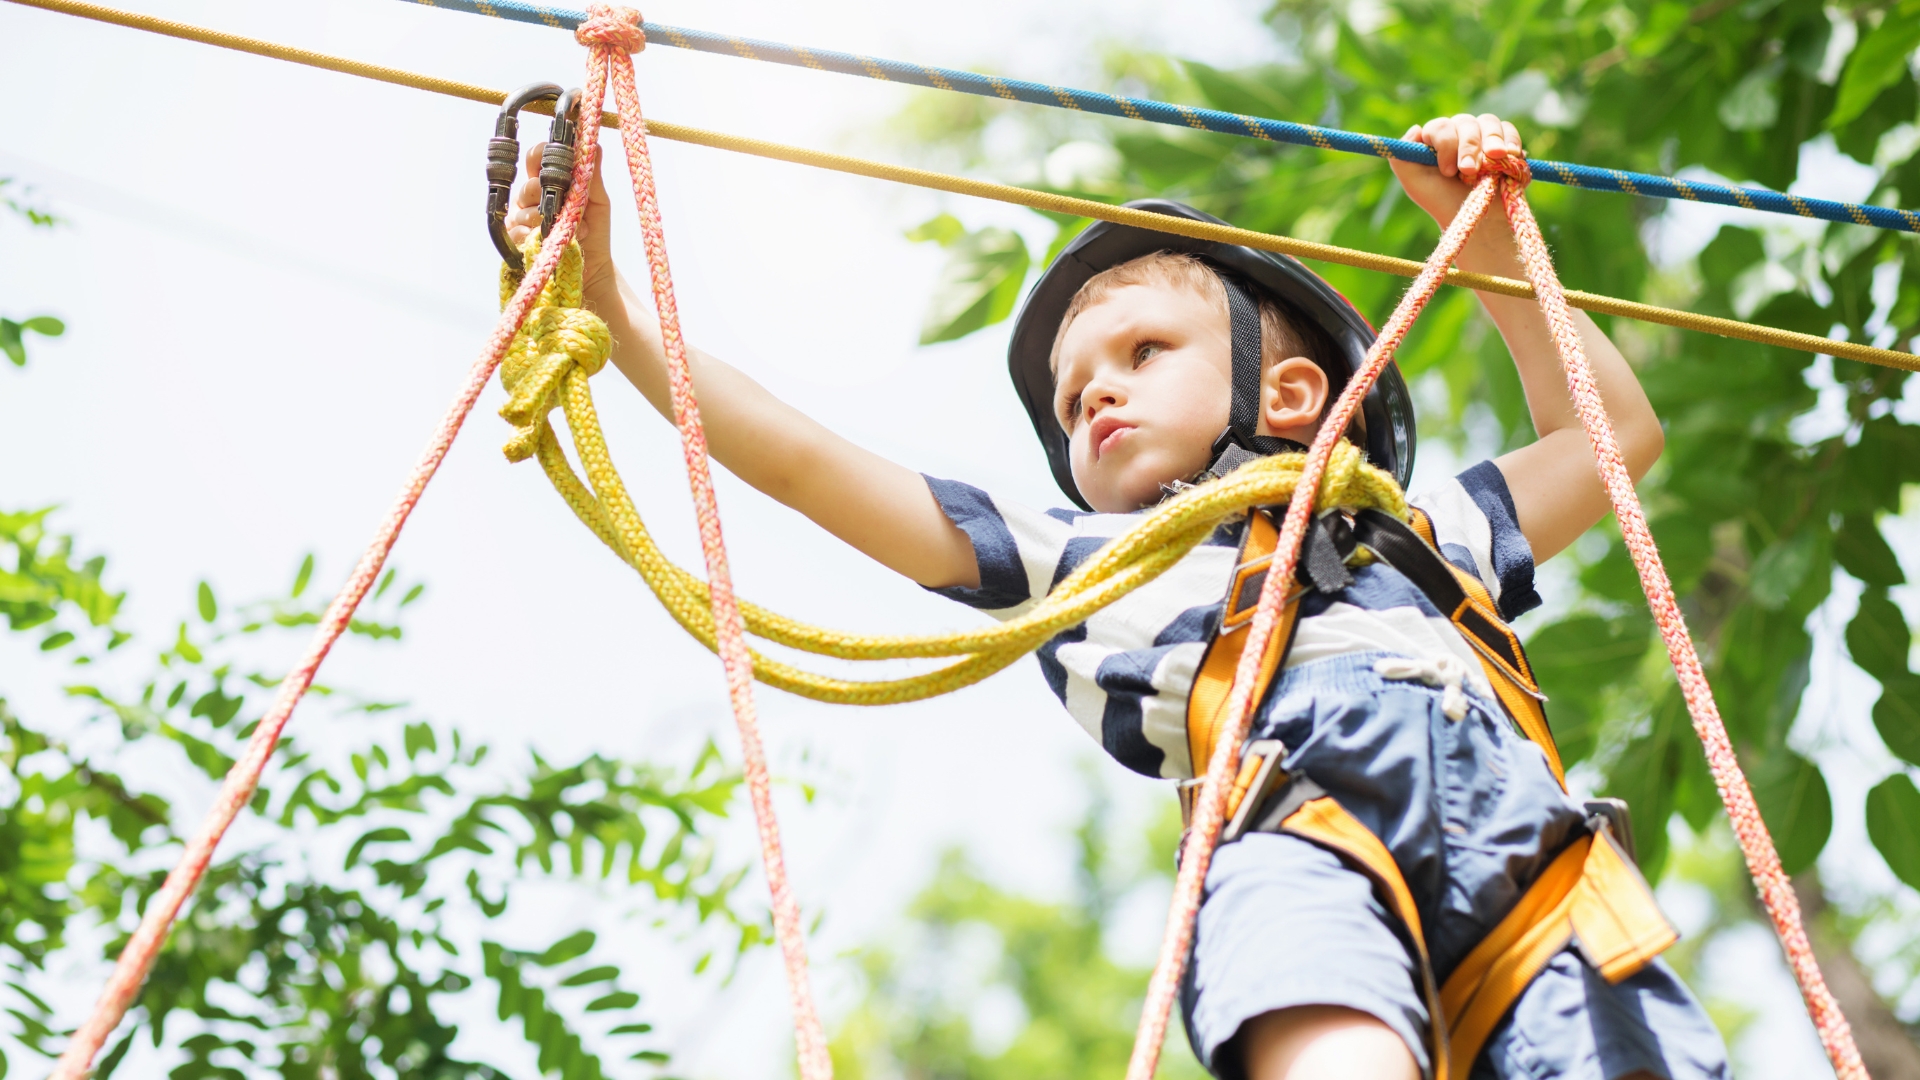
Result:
{"points": [[1585, 177]]}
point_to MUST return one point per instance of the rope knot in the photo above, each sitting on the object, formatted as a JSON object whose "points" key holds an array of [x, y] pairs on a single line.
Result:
{"points": [[558, 339], [1513, 167], [612, 26]]}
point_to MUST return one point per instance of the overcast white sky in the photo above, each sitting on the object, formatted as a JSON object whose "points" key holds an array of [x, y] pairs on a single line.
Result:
{"points": [[275, 277]]}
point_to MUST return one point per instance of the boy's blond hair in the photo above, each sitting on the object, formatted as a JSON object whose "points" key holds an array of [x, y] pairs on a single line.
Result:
{"points": [[1281, 334]]}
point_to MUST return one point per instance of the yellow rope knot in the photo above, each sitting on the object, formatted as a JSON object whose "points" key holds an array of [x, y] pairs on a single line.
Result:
{"points": [[559, 341], [561, 346]]}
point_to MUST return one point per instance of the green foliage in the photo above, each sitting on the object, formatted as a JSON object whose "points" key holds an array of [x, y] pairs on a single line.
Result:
{"points": [[969, 939], [326, 940], [1878, 61], [13, 334], [13, 340], [980, 283], [1893, 820], [17, 204]]}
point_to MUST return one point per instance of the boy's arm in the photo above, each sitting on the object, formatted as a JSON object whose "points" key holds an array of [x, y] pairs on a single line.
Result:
{"points": [[1556, 487], [883, 509]]}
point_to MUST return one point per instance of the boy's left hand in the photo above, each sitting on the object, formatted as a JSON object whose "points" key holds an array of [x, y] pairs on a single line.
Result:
{"points": [[1464, 144]]}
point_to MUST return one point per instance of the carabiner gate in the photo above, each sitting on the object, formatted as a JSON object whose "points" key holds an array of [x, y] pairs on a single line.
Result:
{"points": [[556, 162]]}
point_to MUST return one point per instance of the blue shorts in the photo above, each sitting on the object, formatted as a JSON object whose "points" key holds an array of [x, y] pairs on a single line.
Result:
{"points": [[1472, 814]]}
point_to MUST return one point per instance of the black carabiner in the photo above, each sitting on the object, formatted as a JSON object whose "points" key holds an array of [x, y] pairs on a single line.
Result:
{"points": [[556, 160], [503, 164]]}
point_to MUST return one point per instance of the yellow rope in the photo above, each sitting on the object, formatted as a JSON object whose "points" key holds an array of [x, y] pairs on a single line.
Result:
{"points": [[1038, 200], [562, 345]]}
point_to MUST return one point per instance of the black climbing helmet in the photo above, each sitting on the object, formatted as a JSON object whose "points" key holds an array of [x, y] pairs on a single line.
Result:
{"points": [[1387, 412]]}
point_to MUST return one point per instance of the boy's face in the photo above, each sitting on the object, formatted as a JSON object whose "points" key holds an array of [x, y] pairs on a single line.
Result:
{"points": [[1143, 385]]}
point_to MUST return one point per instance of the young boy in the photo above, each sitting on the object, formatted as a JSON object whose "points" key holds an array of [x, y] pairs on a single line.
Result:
{"points": [[1149, 362]]}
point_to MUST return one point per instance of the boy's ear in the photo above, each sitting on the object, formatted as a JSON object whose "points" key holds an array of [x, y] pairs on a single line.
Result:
{"points": [[1293, 394]]}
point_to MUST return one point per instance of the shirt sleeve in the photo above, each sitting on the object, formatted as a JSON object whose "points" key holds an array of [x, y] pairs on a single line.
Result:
{"points": [[1478, 530], [1018, 550]]}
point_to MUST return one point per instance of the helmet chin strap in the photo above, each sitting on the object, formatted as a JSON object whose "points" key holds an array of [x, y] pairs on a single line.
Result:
{"points": [[1241, 441]]}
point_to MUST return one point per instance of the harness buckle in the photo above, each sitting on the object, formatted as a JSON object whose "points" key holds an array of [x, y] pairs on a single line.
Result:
{"points": [[1613, 816]]}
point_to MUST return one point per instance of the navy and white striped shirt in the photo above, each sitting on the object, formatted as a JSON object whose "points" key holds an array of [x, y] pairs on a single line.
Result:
{"points": [[1125, 673]]}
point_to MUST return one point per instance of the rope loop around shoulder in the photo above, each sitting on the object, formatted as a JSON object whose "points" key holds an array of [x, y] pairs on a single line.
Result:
{"points": [[612, 25]]}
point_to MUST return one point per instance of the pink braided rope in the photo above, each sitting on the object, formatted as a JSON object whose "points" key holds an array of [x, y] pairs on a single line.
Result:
{"points": [[614, 33], [136, 960], [1763, 861], [1210, 808]]}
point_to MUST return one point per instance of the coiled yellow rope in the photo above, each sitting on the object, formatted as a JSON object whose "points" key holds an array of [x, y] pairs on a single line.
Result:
{"points": [[562, 345]]}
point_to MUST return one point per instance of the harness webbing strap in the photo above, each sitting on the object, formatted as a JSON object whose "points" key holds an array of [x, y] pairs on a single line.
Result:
{"points": [[1243, 317], [1326, 822], [1465, 601], [1590, 892], [1212, 685]]}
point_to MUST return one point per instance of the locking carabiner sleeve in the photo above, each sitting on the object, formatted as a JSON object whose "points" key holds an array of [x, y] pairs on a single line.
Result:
{"points": [[503, 164]]}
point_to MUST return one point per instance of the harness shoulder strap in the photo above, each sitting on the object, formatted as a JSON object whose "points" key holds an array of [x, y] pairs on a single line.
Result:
{"points": [[1464, 599], [1213, 683]]}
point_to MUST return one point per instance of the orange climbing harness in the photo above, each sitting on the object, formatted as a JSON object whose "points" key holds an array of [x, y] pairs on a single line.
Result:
{"points": [[1573, 893], [1590, 893]]}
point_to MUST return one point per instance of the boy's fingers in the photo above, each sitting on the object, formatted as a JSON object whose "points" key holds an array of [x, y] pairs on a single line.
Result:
{"points": [[1469, 146], [1494, 136], [527, 193], [1445, 140], [1513, 139]]}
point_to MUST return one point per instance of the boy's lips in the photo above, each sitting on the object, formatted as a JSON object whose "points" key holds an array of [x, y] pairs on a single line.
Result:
{"points": [[1106, 434]]}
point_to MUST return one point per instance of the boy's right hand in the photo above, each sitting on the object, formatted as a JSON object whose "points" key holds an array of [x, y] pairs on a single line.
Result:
{"points": [[599, 279]]}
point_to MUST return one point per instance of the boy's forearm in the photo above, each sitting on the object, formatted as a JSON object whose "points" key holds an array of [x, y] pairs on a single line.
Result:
{"points": [[1555, 486], [881, 508]]}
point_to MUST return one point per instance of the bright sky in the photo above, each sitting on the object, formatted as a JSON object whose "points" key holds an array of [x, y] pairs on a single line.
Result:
{"points": [[275, 277]]}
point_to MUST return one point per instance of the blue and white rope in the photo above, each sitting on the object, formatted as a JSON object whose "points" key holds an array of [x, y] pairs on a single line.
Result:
{"points": [[1585, 177]]}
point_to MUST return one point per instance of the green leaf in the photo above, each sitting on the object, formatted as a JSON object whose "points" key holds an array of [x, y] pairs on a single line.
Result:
{"points": [[209, 607], [1876, 63], [419, 737], [185, 649], [1897, 716], [304, 575], [1781, 568], [1878, 638], [1861, 551], [567, 948], [619, 999], [942, 230], [1893, 824], [979, 285], [631, 1029], [386, 582], [45, 325], [386, 835], [1579, 661], [1795, 805], [10, 342], [55, 640], [412, 595], [605, 973]]}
